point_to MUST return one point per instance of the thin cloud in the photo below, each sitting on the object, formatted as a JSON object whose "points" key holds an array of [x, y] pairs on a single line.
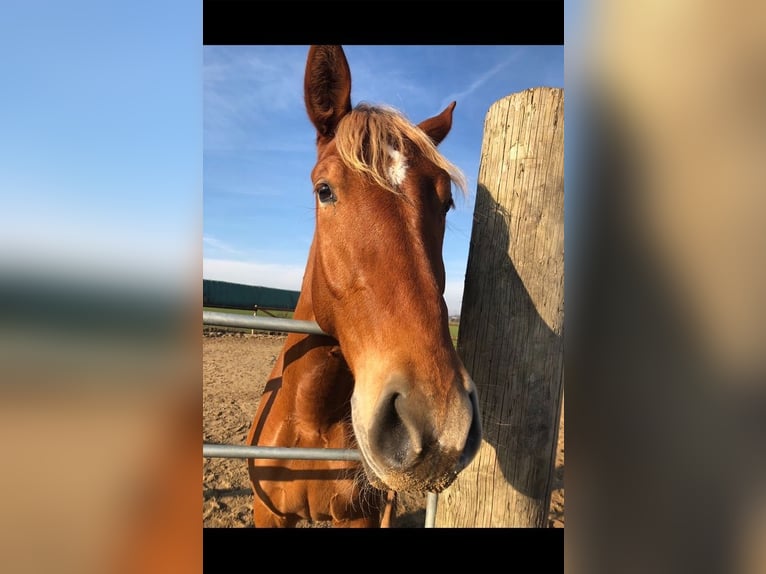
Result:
{"points": [[244, 86], [481, 80], [219, 245], [275, 275], [453, 296]]}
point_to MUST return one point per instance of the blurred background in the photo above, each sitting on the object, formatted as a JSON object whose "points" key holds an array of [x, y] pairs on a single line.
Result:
{"points": [[666, 137], [100, 291]]}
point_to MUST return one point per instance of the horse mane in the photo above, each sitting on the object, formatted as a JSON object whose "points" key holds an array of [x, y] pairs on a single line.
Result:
{"points": [[366, 136]]}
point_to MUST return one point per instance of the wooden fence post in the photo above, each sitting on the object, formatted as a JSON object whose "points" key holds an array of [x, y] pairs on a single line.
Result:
{"points": [[511, 324]]}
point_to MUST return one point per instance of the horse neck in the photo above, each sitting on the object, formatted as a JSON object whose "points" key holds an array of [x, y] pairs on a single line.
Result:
{"points": [[315, 373]]}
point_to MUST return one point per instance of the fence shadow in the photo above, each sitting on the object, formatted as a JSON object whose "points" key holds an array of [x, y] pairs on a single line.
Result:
{"points": [[495, 343]]}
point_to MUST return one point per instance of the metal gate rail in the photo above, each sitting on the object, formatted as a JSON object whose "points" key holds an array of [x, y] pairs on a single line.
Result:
{"points": [[218, 319], [279, 452]]}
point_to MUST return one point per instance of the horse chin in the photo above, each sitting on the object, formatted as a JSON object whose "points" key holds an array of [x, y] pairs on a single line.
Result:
{"points": [[373, 478], [406, 482]]}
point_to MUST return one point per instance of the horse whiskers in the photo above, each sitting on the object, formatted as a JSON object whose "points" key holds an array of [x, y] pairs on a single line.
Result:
{"points": [[366, 498]]}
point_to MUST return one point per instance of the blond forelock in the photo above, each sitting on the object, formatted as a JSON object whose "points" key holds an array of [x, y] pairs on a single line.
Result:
{"points": [[365, 135]]}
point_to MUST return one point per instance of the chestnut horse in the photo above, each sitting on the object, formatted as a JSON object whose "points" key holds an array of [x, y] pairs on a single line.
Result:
{"points": [[387, 381]]}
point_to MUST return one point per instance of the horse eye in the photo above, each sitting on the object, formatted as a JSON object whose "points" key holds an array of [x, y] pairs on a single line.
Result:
{"points": [[325, 193], [449, 205]]}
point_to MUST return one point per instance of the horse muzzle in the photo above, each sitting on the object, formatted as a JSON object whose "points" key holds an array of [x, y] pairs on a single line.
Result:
{"points": [[415, 443]]}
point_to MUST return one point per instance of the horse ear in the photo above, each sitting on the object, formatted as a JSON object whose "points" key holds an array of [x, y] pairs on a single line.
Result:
{"points": [[327, 88], [439, 126]]}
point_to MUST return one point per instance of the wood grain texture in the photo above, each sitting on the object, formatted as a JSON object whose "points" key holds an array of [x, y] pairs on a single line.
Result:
{"points": [[511, 331]]}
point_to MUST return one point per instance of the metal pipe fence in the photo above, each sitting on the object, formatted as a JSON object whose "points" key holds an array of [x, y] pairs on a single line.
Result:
{"points": [[218, 319], [278, 452]]}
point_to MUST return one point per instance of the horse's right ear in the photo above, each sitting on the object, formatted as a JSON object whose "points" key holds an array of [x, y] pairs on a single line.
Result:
{"points": [[327, 88]]}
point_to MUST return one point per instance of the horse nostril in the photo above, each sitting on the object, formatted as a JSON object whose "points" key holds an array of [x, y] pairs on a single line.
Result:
{"points": [[395, 436]]}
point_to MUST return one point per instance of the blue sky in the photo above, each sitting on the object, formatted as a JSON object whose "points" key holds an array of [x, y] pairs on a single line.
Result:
{"points": [[258, 145], [101, 139]]}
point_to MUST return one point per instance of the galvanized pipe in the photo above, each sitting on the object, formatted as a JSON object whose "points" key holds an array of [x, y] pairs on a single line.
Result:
{"points": [[278, 452], [219, 319], [431, 502]]}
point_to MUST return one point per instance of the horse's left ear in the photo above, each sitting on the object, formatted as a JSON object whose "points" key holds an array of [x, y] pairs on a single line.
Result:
{"points": [[439, 126]]}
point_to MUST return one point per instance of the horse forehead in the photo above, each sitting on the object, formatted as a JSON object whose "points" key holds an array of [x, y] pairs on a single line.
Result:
{"points": [[397, 167], [327, 155], [328, 165], [401, 165]]}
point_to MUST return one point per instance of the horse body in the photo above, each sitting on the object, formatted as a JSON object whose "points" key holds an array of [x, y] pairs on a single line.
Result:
{"points": [[387, 380], [309, 375]]}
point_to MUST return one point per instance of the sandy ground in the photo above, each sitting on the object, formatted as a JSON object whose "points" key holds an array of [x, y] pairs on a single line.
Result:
{"points": [[235, 368]]}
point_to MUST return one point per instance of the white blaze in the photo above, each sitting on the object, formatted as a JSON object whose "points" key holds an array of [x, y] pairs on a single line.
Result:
{"points": [[397, 169]]}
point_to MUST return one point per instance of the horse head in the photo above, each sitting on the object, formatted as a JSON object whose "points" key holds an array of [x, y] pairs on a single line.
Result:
{"points": [[382, 194]]}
